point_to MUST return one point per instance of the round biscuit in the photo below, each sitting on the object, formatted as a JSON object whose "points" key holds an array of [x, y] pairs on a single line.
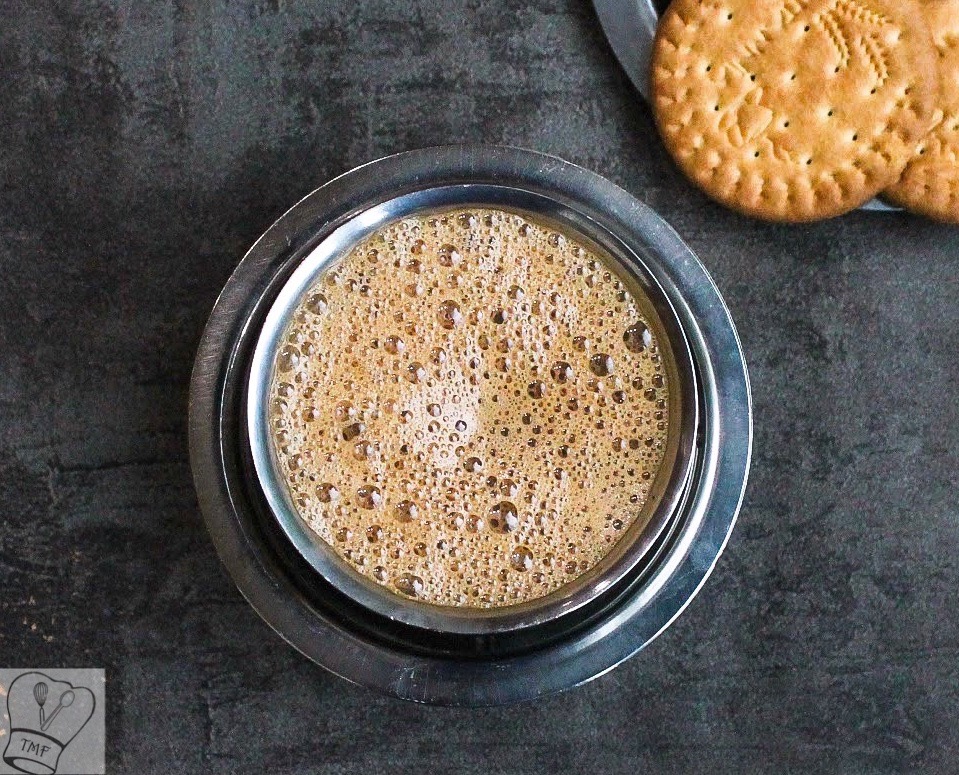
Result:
{"points": [[930, 183], [793, 110]]}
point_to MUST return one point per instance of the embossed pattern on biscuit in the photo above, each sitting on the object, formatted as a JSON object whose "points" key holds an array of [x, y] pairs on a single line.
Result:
{"points": [[930, 183], [793, 110]]}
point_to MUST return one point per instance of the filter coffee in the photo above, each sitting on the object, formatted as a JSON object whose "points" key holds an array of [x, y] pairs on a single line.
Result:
{"points": [[471, 407]]}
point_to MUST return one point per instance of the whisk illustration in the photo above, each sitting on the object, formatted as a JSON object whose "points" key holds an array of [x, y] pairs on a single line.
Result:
{"points": [[40, 695]]}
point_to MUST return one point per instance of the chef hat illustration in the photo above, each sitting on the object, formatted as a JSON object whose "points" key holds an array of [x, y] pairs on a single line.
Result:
{"points": [[45, 715]]}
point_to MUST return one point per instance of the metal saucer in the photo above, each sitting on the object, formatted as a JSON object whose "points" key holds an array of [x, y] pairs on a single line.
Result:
{"points": [[414, 662]]}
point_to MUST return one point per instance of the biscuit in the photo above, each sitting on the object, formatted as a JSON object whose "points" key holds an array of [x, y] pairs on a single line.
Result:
{"points": [[793, 110], [930, 184]]}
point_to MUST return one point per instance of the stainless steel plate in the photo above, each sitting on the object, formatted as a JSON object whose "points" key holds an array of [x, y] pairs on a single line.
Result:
{"points": [[378, 651], [630, 26]]}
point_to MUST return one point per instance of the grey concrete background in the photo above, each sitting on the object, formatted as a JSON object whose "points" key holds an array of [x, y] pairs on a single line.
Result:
{"points": [[144, 146]]}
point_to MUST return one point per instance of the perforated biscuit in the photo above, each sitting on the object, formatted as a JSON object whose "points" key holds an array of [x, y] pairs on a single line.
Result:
{"points": [[930, 183], [793, 110]]}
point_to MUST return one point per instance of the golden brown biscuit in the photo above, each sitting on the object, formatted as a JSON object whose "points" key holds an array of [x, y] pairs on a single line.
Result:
{"points": [[930, 183], [793, 110]]}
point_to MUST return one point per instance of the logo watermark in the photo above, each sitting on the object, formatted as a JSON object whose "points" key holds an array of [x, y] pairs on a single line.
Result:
{"points": [[52, 722]]}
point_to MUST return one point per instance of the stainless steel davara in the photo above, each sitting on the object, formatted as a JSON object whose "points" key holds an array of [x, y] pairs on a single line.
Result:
{"points": [[466, 656]]}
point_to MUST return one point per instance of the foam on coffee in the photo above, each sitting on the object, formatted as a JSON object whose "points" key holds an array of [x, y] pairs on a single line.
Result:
{"points": [[470, 408]]}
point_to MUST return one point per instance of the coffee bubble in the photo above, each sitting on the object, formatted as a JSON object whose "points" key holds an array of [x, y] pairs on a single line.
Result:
{"points": [[638, 338], [394, 345], [450, 315], [409, 584], [415, 373], [289, 358], [344, 411], [561, 372], [536, 389], [503, 517], [317, 304], [327, 493], [353, 430], [601, 364], [406, 511], [521, 558], [369, 497], [449, 256]]}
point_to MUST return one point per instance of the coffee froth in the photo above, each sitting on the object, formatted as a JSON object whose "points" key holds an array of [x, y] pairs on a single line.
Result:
{"points": [[471, 408]]}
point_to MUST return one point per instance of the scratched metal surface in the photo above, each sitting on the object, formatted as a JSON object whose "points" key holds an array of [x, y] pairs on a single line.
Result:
{"points": [[143, 146]]}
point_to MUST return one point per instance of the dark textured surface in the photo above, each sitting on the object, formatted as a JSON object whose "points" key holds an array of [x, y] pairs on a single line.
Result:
{"points": [[144, 146]]}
